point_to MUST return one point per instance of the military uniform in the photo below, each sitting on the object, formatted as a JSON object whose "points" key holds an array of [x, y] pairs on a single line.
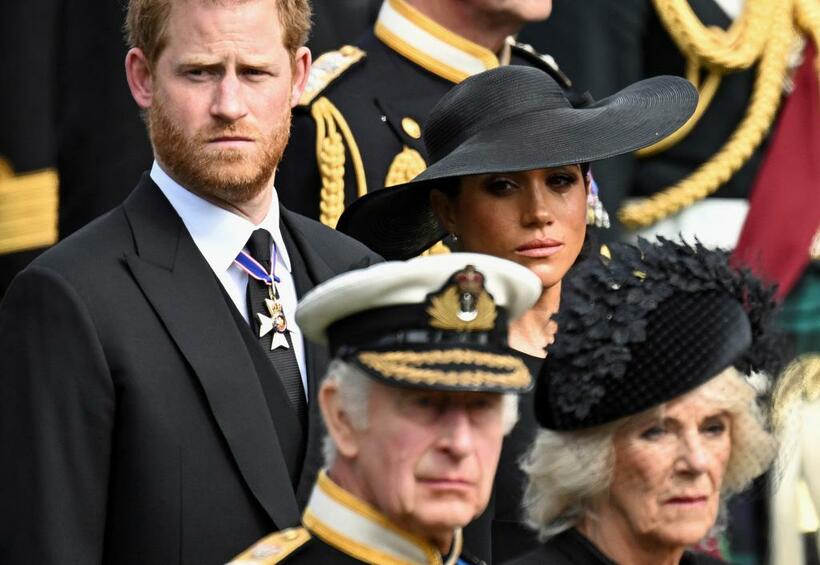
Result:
{"points": [[423, 324], [357, 127], [339, 529], [628, 41]]}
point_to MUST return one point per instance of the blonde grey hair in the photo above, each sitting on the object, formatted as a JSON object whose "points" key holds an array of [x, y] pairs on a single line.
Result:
{"points": [[354, 392], [568, 470]]}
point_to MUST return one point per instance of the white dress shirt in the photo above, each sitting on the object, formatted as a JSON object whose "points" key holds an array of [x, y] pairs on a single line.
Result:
{"points": [[220, 235]]}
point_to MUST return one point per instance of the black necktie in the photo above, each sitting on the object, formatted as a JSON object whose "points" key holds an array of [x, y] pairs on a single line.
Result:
{"points": [[283, 359]]}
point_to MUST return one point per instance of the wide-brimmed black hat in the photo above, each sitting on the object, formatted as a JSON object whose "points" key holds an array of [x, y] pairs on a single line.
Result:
{"points": [[648, 325], [512, 118], [437, 322]]}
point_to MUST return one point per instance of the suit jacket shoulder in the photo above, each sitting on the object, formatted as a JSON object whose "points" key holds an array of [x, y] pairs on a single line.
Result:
{"points": [[339, 251]]}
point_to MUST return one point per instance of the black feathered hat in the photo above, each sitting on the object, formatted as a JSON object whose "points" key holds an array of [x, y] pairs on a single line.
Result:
{"points": [[648, 324]]}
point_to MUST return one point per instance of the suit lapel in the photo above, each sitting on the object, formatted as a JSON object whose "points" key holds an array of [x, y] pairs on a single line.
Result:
{"points": [[186, 295]]}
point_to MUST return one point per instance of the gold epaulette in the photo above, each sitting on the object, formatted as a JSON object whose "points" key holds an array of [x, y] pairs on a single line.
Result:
{"points": [[327, 68], [273, 548], [28, 209]]}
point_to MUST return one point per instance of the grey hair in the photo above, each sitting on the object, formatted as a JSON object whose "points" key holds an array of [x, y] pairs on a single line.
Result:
{"points": [[568, 470], [354, 392]]}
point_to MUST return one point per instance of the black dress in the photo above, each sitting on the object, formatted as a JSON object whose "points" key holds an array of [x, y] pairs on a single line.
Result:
{"points": [[572, 548], [500, 530], [510, 536]]}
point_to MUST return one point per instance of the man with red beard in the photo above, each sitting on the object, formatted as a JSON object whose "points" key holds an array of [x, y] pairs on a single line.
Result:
{"points": [[156, 396]]}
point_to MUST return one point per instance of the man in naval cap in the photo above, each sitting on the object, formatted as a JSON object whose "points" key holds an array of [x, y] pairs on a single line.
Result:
{"points": [[417, 400]]}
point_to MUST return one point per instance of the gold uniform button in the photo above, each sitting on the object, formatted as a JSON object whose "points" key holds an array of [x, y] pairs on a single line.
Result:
{"points": [[411, 127]]}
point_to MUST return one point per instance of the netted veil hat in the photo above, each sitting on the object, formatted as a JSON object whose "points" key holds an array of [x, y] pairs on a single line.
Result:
{"points": [[512, 118], [648, 324]]}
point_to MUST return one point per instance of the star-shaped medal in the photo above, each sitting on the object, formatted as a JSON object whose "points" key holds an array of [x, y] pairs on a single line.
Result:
{"points": [[275, 323]]}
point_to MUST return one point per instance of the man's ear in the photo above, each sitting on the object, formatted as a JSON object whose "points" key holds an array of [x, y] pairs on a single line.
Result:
{"points": [[140, 77], [337, 421], [444, 209], [301, 72]]}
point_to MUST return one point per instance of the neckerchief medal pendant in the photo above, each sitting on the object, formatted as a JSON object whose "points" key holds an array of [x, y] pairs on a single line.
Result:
{"points": [[275, 322]]}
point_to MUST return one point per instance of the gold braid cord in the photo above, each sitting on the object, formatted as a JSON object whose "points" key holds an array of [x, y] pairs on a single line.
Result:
{"points": [[332, 133], [414, 367], [765, 34], [807, 14], [405, 167], [735, 49]]}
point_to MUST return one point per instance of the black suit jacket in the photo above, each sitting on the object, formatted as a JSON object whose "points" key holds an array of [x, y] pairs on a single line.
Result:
{"points": [[133, 425]]}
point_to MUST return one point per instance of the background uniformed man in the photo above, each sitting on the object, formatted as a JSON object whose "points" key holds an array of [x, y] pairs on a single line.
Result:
{"points": [[358, 126]]}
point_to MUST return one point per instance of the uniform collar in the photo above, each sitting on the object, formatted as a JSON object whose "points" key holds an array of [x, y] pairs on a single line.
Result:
{"points": [[356, 528], [432, 46], [218, 234]]}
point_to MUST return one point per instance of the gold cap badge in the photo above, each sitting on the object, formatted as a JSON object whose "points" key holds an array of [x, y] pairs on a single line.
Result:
{"points": [[463, 304]]}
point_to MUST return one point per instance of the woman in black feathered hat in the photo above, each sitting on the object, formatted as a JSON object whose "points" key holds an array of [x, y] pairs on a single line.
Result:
{"points": [[650, 420], [508, 176]]}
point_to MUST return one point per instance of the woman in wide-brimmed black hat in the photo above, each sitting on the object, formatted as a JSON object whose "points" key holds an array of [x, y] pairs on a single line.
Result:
{"points": [[508, 176], [650, 420], [508, 173]]}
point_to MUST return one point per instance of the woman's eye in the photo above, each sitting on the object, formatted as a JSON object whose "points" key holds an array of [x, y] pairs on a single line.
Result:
{"points": [[653, 433], [500, 186], [714, 428], [562, 181]]}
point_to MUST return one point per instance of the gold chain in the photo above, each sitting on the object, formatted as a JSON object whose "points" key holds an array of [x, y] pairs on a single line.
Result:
{"points": [[773, 67]]}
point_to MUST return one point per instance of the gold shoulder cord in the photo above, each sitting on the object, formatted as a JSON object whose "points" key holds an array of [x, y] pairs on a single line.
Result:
{"points": [[765, 34], [332, 133], [807, 15], [405, 167]]}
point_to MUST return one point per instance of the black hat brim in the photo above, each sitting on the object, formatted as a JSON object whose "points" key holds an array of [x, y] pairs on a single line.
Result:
{"points": [[399, 223]]}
